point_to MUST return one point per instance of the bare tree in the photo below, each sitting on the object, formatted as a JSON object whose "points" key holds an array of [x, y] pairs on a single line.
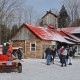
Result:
{"points": [[27, 15], [12, 12], [19, 16], [30, 15], [7, 7], [73, 8]]}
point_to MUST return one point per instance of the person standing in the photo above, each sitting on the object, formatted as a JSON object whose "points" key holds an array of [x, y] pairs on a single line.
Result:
{"points": [[19, 53], [7, 51], [63, 57], [53, 54], [67, 57], [74, 50], [48, 52], [70, 55], [59, 52], [5, 48]]}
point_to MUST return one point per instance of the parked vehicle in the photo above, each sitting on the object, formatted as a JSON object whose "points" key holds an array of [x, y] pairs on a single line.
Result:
{"points": [[15, 64], [5, 63]]}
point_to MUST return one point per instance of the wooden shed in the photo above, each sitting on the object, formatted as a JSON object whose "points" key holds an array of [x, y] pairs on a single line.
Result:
{"points": [[35, 39]]}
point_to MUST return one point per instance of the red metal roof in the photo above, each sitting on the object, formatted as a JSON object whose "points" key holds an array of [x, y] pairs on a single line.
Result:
{"points": [[50, 26], [65, 33], [48, 34], [40, 32], [70, 29]]}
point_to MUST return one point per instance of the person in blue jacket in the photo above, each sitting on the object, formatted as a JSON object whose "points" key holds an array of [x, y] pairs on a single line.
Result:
{"points": [[48, 52]]}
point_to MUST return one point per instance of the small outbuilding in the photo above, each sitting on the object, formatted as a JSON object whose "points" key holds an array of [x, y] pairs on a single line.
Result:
{"points": [[35, 39]]}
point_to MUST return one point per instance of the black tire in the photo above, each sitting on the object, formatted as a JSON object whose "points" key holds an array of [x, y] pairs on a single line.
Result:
{"points": [[19, 68]]}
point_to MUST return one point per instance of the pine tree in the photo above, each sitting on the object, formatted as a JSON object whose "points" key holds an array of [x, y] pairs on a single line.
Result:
{"points": [[14, 30], [4, 34], [64, 19]]}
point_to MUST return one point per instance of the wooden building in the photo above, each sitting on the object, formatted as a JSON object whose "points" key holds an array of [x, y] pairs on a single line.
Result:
{"points": [[35, 39], [49, 18], [74, 31], [32, 40]]}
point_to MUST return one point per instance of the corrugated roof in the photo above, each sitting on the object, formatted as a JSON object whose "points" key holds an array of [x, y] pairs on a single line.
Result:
{"points": [[65, 33], [49, 34], [50, 26], [70, 29], [41, 32]]}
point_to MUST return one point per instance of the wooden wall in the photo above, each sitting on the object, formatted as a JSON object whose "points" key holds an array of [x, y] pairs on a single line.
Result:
{"points": [[33, 54], [40, 48], [25, 40], [21, 43], [50, 19]]}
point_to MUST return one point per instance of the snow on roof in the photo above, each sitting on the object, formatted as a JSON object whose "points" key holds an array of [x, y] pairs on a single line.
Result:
{"points": [[70, 29], [48, 34], [76, 30], [67, 35], [41, 32], [15, 48]]}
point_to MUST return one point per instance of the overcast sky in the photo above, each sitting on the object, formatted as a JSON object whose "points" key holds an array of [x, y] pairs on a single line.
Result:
{"points": [[44, 5]]}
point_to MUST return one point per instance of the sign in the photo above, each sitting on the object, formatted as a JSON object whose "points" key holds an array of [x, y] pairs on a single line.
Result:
{"points": [[8, 63]]}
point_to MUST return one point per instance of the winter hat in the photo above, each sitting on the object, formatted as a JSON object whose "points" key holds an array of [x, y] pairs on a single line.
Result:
{"points": [[4, 44]]}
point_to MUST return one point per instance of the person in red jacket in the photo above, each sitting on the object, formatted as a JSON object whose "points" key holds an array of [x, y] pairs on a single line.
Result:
{"points": [[8, 55], [9, 52], [9, 49]]}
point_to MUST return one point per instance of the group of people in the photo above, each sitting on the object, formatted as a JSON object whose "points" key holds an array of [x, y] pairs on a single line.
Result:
{"points": [[7, 53], [18, 53], [50, 54], [65, 54]]}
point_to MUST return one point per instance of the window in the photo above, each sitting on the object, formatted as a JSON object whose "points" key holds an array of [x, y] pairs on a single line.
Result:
{"points": [[33, 47]]}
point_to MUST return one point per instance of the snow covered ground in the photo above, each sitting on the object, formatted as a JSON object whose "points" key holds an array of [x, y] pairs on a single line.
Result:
{"points": [[36, 69]]}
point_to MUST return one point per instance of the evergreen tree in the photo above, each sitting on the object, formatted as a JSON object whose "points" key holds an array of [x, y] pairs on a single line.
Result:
{"points": [[76, 22], [4, 34], [14, 30], [64, 19]]}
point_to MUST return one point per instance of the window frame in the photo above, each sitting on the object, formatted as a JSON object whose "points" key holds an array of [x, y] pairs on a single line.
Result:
{"points": [[32, 47]]}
